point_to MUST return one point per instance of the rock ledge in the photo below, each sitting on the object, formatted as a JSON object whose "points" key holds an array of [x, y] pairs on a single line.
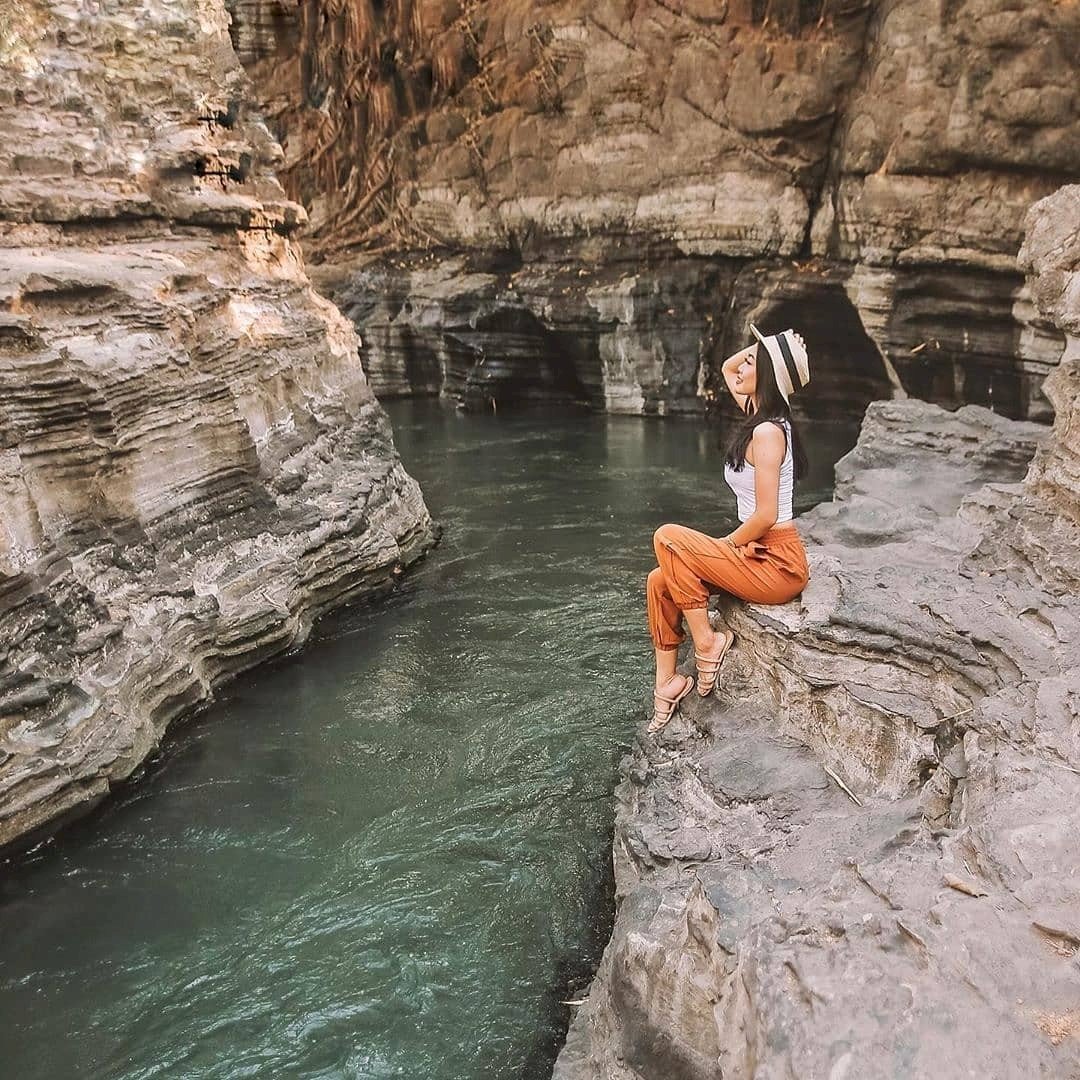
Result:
{"points": [[770, 926]]}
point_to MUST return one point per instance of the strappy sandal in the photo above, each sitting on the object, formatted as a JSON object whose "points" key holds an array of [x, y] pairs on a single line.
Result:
{"points": [[661, 716], [708, 667]]}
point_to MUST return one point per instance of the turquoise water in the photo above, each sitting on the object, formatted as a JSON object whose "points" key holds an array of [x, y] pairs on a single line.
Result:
{"points": [[387, 856]]}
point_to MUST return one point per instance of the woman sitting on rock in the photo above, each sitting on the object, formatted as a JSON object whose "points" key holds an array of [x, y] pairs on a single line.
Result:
{"points": [[763, 560]]}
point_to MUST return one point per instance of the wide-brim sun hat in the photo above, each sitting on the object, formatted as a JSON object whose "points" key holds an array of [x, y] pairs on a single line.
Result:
{"points": [[789, 359]]}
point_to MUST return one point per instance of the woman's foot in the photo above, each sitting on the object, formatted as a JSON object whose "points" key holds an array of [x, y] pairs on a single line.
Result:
{"points": [[708, 664], [666, 700]]}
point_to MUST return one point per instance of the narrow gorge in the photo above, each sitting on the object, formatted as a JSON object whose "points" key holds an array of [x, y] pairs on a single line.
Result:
{"points": [[232, 231]]}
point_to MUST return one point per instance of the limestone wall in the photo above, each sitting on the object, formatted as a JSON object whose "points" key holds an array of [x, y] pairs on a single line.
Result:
{"points": [[192, 464], [832, 163]]}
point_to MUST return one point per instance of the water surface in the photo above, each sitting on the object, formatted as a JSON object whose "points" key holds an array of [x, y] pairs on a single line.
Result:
{"points": [[387, 856]]}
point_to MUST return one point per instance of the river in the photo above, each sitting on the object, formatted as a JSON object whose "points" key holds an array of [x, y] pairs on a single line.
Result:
{"points": [[389, 854]]}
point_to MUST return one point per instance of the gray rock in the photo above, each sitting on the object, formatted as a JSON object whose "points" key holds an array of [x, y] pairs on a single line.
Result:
{"points": [[627, 335], [929, 930]]}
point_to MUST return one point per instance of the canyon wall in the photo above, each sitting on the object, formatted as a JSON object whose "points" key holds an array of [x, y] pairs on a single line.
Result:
{"points": [[587, 202], [193, 466], [859, 860]]}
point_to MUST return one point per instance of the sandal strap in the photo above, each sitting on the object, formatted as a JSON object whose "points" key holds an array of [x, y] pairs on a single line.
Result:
{"points": [[670, 700], [716, 661], [664, 714], [657, 696]]}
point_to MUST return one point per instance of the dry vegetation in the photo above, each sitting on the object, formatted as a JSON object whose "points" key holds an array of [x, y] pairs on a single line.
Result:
{"points": [[354, 87], [353, 84]]}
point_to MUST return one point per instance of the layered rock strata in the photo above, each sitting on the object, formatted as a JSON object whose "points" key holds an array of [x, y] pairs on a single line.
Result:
{"points": [[624, 336], [770, 925], [892, 147], [193, 466]]}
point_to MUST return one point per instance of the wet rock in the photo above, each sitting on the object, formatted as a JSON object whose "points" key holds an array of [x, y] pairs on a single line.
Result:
{"points": [[192, 465], [931, 668]]}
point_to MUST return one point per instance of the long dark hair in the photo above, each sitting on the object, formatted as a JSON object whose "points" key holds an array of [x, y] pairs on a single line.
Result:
{"points": [[771, 407]]}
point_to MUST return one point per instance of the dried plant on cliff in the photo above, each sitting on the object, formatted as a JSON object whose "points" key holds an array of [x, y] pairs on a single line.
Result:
{"points": [[364, 74], [351, 58], [354, 85]]}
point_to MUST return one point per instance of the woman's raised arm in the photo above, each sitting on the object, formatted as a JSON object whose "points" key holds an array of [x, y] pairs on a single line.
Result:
{"points": [[731, 365]]}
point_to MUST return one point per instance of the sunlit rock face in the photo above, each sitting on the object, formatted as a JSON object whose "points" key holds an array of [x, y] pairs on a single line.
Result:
{"points": [[770, 926], [1051, 255], [193, 466], [891, 148]]}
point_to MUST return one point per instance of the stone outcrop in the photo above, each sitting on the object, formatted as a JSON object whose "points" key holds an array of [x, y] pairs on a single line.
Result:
{"points": [[840, 164], [770, 925], [193, 466]]}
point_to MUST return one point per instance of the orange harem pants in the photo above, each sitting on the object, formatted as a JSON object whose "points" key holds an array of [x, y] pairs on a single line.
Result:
{"points": [[770, 570]]}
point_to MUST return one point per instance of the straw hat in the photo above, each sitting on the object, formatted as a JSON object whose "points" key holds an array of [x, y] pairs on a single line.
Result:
{"points": [[789, 359]]}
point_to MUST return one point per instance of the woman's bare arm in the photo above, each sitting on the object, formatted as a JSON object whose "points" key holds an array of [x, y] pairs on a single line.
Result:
{"points": [[731, 365], [769, 445]]}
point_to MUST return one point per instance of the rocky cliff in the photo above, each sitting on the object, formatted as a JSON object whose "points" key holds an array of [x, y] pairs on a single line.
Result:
{"points": [[861, 860], [193, 466], [586, 202]]}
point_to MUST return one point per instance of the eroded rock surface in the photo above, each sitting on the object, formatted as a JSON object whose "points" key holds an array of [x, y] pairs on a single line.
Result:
{"points": [[769, 926], [193, 466], [891, 147], [622, 336]]}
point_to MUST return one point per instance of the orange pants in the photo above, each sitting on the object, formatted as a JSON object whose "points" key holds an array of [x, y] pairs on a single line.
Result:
{"points": [[770, 570]]}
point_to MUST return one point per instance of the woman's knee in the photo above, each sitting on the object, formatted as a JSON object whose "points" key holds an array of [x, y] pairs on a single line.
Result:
{"points": [[664, 536]]}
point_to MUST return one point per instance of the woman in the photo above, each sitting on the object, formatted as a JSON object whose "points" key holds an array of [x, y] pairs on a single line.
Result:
{"points": [[763, 560]]}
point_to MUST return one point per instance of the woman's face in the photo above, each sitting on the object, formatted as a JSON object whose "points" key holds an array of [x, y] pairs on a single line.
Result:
{"points": [[746, 372]]}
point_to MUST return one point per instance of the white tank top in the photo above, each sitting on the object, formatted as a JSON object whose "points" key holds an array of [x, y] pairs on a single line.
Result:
{"points": [[742, 483]]}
